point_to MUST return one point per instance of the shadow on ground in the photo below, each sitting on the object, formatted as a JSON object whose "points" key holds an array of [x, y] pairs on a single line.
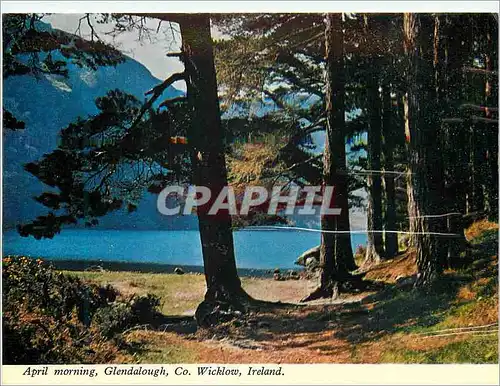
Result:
{"points": [[329, 327], [395, 309]]}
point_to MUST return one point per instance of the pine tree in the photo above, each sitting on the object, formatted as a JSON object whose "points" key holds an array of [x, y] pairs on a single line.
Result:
{"points": [[209, 169], [375, 247], [425, 172], [388, 149], [92, 168], [336, 257]]}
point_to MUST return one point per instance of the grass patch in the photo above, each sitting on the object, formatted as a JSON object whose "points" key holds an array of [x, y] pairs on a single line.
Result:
{"points": [[179, 294], [476, 349], [399, 319], [157, 347]]}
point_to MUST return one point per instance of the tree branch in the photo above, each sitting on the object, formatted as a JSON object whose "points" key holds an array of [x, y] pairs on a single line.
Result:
{"points": [[281, 174], [169, 102], [478, 108], [480, 71], [156, 91]]}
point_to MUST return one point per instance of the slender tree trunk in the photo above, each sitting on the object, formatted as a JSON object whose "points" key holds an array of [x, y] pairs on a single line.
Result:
{"points": [[375, 247], [391, 239], [425, 169], [477, 156], [491, 100], [336, 257], [209, 169], [438, 94], [452, 56], [457, 133], [412, 210], [476, 177]]}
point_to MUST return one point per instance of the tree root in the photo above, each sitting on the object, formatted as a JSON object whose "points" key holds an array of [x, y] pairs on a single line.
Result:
{"points": [[352, 284], [372, 258], [221, 306], [319, 293], [212, 313]]}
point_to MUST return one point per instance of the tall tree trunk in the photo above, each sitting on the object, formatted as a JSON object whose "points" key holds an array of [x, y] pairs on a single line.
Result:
{"points": [[456, 133], [336, 250], [476, 145], [391, 239], [491, 100], [440, 44], [375, 248], [425, 174], [224, 289], [336, 257], [476, 177], [450, 58]]}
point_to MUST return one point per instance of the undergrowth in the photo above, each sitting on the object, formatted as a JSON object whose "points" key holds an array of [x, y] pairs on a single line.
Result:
{"points": [[51, 317]]}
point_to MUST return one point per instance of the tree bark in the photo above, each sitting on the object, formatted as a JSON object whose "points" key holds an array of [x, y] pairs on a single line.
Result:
{"points": [[452, 55], [224, 291], [457, 173], [425, 176], [391, 239], [477, 150], [491, 100], [336, 257], [375, 247]]}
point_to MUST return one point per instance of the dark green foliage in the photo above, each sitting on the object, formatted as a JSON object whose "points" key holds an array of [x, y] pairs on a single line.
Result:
{"points": [[275, 64], [50, 317], [118, 317], [23, 34], [105, 162], [284, 63], [29, 283], [10, 122], [456, 57]]}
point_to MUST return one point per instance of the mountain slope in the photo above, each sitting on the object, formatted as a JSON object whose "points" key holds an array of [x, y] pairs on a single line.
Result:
{"points": [[49, 104]]}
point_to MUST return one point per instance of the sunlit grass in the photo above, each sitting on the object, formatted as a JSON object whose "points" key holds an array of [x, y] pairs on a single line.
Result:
{"points": [[179, 294], [474, 349]]}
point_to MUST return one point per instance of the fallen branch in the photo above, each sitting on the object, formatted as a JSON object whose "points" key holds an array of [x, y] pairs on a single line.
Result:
{"points": [[452, 120], [474, 119], [436, 215], [485, 120]]}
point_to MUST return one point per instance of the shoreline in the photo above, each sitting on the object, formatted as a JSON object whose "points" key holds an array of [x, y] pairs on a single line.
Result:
{"points": [[143, 267]]}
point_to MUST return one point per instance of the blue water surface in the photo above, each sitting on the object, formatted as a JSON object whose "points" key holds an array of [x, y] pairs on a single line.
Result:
{"points": [[258, 249]]}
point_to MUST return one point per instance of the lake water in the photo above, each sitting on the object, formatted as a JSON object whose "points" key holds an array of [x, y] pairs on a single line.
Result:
{"points": [[254, 249]]}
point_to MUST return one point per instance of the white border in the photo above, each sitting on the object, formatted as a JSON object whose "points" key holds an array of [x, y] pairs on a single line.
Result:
{"points": [[249, 6]]}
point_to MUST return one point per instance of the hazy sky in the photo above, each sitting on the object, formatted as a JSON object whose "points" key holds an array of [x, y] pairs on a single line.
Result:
{"points": [[151, 52]]}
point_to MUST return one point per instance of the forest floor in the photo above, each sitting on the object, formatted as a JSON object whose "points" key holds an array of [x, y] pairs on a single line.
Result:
{"points": [[397, 324]]}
